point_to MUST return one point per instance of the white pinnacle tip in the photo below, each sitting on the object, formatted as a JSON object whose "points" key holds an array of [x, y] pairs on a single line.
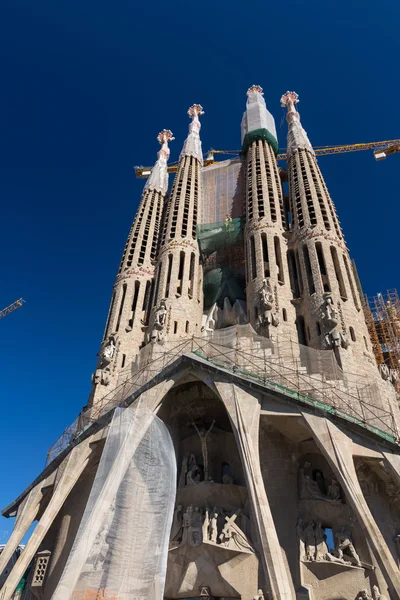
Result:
{"points": [[289, 97], [195, 110], [255, 88], [165, 136]]}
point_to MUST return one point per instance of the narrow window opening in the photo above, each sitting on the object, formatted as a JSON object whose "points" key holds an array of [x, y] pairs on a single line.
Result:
{"points": [[123, 361], [318, 326], [308, 334], [286, 208], [301, 330], [180, 272], [265, 255], [338, 273], [253, 258], [293, 274], [154, 299], [278, 258], [349, 277], [175, 326], [307, 263], [284, 314], [147, 301], [191, 274], [121, 306], [329, 538], [322, 267], [256, 313], [134, 303], [167, 286], [365, 342], [187, 327], [352, 334]]}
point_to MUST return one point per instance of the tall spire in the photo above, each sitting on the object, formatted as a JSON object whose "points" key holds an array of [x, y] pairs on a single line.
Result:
{"points": [[297, 138], [257, 121], [158, 179], [192, 144]]}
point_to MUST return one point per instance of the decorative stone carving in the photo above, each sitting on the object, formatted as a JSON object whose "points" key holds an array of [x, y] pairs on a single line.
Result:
{"points": [[384, 371], [364, 595], [344, 542], [232, 537], [315, 488], [203, 434], [333, 337], [310, 541], [376, 594], [214, 525], [159, 322], [267, 317], [107, 353], [300, 538], [320, 542], [259, 595], [193, 476], [196, 527], [101, 376]]}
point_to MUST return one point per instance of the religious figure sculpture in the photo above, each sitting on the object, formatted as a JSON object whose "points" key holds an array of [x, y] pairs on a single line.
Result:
{"points": [[330, 320], [214, 525], [159, 321], [195, 527], [344, 542], [334, 490], [300, 538], [376, 594], [364, 595], [203, 434], [267, 317], [232, 536], [177, 524], [108, 351], [186, 521], [309, 540], [259, 595], [384, 371], [193, 472], [206, 524]]}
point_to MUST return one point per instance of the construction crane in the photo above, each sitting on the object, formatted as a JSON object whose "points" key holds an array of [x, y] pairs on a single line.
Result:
{"points": [[380, 149], [9, 309]]}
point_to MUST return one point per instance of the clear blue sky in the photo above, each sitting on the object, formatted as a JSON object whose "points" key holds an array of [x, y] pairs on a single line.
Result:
{"points": [[85, 88]]}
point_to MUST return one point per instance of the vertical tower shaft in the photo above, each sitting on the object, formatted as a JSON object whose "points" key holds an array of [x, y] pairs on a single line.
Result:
{"points": [[178, 283], [127, 318], [329, 311], [267, 276]]}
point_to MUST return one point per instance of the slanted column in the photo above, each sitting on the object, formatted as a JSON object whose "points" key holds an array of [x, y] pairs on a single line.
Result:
{"points": [[130, 304], [244, 412], [178, 298], [74, 465], [268, 287], [336, 446], [27, 513]]}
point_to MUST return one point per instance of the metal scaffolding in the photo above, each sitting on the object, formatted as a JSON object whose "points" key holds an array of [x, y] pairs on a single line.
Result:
{"points": [[309, 376], [383, 319]]}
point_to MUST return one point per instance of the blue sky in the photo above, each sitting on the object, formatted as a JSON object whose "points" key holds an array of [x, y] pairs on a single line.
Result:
{"points": [[86, 87]]}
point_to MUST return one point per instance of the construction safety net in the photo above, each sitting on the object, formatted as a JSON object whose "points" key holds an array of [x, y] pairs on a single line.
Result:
{"points": [[213, 236], [222, 191], [121, 547]]}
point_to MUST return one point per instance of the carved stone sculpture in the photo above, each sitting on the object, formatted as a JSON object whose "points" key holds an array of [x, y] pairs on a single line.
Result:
{"points": [[376, 594], [330, 321], [232, 536], [334, 490], [214, 525], [364, 595], [177, 524], [267, 317], [314, 488], [203, 434], [196, 527], [159, 321], [344, 542], [309, 540], [300, 538], [259, 595], [193, 472], [384, 371], [108, 352], [320, 542]]}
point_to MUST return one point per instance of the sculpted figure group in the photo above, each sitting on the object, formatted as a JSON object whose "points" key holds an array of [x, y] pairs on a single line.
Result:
{"points": [[313, 546], [312, 485], [194, 526]]}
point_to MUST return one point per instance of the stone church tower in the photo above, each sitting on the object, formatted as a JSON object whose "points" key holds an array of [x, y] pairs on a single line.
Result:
{"points": [[253, 456]]}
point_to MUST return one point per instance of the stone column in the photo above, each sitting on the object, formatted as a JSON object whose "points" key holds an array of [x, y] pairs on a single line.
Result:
{"points": [[27, 513], [337, 448], [74, 466], [244, 412]]}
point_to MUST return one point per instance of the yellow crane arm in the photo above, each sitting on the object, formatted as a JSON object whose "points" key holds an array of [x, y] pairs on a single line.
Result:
{"points": [[381, 149], [9, 309]]}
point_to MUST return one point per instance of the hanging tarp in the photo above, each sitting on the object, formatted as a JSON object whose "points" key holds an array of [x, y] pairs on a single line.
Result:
{"points": [[121, 547], [213, 236]]}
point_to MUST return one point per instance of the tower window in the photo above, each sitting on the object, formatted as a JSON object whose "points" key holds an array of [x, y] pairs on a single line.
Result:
{"points": [[265, 254], [318, 327], [293, 274], [365, 342], [352, 334], [157, 279], [307, 263], [349, 277], [253, 258], [169, 270], [121, 306], [180, 272], [110, 312], [187, 327], [284, 314], [134, 302], [301, 330], [191, 274], [322, 267], [338, 273], [123, 361], [175, 326], [278, 258]]}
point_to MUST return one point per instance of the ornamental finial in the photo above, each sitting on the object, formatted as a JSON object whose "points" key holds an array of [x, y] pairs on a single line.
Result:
{"points": [[255, 88], [195, 110], [289, 98], [165, 136]]}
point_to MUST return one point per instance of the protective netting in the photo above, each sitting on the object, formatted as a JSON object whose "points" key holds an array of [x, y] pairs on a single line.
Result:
{"points": [[222, 191], [213, 236], [121, 547]]}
